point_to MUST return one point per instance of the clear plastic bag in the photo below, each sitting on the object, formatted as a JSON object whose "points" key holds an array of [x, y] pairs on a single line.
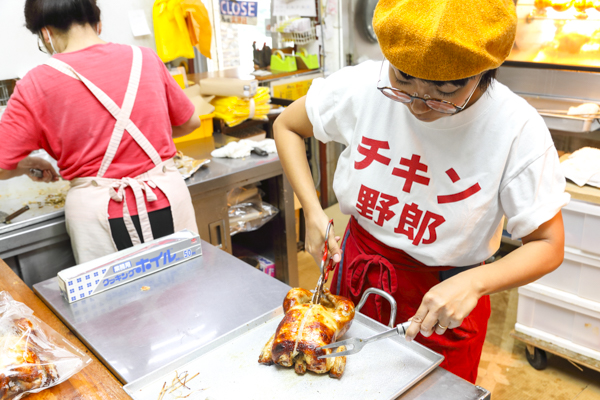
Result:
{"points": [[247, 210], [247, 217], [33, 356]]}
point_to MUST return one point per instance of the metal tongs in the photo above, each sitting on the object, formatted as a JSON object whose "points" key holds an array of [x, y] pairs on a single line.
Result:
{"points": [[316, 298], [357, 344], [354, 345]]}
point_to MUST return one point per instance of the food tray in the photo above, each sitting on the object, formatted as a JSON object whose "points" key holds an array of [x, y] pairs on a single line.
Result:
{"points": [[228, 368]]}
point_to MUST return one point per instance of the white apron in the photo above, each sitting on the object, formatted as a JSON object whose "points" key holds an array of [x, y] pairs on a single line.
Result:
{"points": [[86, 206]]}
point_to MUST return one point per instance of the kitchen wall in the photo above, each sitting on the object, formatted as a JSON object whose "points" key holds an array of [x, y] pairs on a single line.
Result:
{"points": [[18, 47]]}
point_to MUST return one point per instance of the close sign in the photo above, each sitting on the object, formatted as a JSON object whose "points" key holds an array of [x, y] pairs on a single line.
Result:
{"points": [[239, 12]]}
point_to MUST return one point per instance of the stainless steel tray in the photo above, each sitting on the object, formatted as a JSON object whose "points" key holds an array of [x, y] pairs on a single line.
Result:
{"points": [[560, 120], [228, 368]]}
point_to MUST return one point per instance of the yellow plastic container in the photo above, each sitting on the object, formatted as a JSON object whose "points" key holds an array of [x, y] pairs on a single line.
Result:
{"points": [[205, 130]]}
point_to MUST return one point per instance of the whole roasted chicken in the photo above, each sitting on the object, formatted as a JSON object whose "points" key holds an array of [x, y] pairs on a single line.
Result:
{"points": [[21, 368], [306, 327]]}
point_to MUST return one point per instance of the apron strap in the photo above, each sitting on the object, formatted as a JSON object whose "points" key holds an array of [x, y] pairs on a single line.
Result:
{"points": [[121, 114], [117, 193]]}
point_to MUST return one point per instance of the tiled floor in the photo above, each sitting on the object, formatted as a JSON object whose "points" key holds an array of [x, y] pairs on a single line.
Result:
{"points": [[503, 369]]}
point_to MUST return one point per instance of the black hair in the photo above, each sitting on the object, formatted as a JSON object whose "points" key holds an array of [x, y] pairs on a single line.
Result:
{"points": [[60, 14], [486, 79]]}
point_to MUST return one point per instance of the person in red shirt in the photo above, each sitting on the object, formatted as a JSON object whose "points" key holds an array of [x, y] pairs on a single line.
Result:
{"points": [[108, 114]]}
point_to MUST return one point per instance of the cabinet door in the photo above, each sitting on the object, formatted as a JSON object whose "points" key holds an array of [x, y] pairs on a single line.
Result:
{"points": [[212, 219]]}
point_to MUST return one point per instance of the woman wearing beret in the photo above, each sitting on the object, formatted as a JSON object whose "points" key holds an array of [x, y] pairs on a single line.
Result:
{"points": [[108, 114], [437, 154]]}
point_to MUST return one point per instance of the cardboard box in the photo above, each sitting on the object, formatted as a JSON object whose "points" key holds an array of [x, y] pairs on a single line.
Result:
{"points": [[267, 266], [243, 88], [96, 276], [264, 264]]}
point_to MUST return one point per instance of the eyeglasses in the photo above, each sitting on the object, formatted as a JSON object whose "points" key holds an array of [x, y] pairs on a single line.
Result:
{"points": [[41, 45], [442, 106]]}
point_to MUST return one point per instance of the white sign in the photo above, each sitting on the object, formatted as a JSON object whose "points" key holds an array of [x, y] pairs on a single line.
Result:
{"points": [[138, 22], [239, 12], [286, 8]]}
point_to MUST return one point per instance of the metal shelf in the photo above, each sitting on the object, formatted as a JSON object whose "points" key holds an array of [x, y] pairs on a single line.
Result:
{"points": [[559, 120]]}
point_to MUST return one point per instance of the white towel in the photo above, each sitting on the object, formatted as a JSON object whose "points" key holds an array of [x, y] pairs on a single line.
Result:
{"points": [[243, 148], [583, 167]]}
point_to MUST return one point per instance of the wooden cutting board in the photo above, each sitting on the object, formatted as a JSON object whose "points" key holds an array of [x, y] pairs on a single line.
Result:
{"points": [[94, 381]]}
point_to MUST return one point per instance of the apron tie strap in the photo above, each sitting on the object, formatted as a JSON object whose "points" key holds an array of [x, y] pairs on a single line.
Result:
{"points": [[371, 271], [139, 187]]}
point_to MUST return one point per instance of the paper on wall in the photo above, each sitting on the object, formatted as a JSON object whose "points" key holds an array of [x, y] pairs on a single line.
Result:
{"points": [[286, 8], [138, 22]]}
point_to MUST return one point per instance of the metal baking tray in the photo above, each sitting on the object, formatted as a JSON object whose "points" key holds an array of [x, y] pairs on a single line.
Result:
{"points": [[228, 368], [559, 120]]}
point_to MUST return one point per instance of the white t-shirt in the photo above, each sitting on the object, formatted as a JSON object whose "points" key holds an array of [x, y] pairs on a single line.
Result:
{"points": [[437, 190]]}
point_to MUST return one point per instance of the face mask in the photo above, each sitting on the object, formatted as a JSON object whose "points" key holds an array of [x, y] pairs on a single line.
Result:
{"points": [[51, 44]]}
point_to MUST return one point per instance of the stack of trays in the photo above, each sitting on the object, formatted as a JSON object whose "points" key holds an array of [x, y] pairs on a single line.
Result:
{"points": [[563, 307]]}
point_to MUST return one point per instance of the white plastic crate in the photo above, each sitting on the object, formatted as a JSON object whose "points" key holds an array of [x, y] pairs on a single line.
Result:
{"points": [[579, 274], [561, 314], [582, 226]]}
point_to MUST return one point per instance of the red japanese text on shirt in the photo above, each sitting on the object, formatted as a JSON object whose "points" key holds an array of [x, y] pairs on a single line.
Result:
{"points": [[418, 224]]}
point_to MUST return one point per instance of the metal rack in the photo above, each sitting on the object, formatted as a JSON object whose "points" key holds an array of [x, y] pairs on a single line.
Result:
{"points": [[304, 37]]}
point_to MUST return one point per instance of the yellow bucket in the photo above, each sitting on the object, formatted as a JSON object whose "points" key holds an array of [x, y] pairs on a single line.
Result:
{"points": [[205, 130]]}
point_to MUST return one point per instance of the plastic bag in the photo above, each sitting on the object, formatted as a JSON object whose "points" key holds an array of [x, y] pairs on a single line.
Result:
{"points": [[234, 110], [247, 210], [171, 30], [247, 217], [198, 23], [33, 356], [245, 194]]}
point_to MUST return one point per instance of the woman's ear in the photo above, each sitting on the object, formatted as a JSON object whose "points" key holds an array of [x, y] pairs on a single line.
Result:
{"points": [[99, 28], [46, 34]]}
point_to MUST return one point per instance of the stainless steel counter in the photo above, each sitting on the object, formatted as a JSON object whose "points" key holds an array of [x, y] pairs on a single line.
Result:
{"points": [[135, 332]]}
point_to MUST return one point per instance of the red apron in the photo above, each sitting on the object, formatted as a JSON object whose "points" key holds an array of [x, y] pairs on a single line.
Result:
{"points": [[366, 262]]}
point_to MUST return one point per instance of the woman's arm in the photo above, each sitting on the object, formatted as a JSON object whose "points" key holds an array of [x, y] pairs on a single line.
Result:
{"points": [[24, 168], [450, 301], [290, 129], [187, 127]]}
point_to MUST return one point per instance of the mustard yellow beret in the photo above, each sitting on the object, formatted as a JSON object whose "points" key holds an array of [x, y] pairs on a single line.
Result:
{"points": [[445, 40]]}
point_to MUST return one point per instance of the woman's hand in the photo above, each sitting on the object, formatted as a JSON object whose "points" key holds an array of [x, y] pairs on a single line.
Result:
{"points": [[49, 174], [444, 306], [316, 228]]}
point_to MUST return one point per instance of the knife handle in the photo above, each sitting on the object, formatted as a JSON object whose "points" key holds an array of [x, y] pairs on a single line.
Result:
{"points": [[37, 173], [15, 214]]}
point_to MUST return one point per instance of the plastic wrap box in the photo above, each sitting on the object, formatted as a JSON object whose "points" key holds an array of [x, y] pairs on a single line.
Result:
{"points": [[582, 226], [564, 319], [579, 274], [87, 279]]}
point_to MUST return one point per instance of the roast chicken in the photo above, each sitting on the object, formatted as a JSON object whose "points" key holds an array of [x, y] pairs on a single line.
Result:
{"points": [[21, 368], [306, 327]]}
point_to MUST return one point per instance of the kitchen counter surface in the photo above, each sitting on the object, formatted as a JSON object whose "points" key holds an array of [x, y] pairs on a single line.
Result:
{"points": [[187, 306]]}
